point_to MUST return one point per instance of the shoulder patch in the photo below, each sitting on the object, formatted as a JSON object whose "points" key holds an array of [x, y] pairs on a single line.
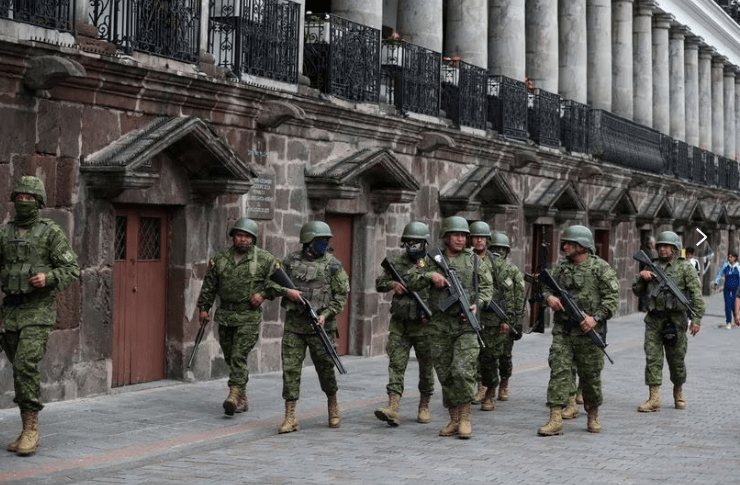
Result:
{"points": [[420, 264]]}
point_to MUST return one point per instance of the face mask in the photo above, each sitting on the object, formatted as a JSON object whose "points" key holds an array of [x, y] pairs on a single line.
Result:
{"points": [[319, 246], [27, 213], [415, 250]]}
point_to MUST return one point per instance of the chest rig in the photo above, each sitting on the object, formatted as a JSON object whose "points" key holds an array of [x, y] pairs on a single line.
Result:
{"points": [[21, 259]]}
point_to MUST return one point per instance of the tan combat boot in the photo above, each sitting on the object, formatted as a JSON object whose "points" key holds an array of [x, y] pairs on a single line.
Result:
{"points": [[503, 390], [335, 420], [579, 398], [571, 410], [30, 436], [232, 401], [424, 416], [290, 424], [242, 403], [489, 400], [13, 446], [479, 393], [390, 414], [678, 398], [592, 425], [464, 428], [453, 426], [555, 425], [653, 402]]}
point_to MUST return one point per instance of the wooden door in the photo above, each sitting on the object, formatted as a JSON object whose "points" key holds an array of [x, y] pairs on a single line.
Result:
{"points": [[601, 241], [140, 293], [341, 227], [542, 255]]}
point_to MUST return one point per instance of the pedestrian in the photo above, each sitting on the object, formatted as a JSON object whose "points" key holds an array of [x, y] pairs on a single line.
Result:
{"points": [[36, 260], [648, 245], [731, 271], [594, 285], [694, 262], [455, 346], [508, 292], [408, 328], [321, 280], [239, 276], [666, 322]]}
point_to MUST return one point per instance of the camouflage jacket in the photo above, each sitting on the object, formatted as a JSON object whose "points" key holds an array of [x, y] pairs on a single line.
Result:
{"points": [[235, 283], [403, 307], [685, 276], [595, 286], [508, 291], [44, 248], [323, 282]]}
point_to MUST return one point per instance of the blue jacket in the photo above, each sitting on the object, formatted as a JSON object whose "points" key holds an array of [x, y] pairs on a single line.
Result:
{"points": [[731, 274]]}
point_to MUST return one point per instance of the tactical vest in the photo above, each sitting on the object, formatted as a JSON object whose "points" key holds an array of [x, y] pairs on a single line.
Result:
{"points": [[312, 278], [665, 300], [21, 259]]}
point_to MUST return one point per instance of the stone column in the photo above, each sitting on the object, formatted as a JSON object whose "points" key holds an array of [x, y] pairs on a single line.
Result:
{"points": [[737, 117], [622, 64], [467, 31], [705, 97], [573, 54], [729, 112], [599, 43], [691, 88], [507, 54], [420, 22], [677, 80], [718, 110], [661, 78], [642, 40], [367, 12], [542, 43], [390, 14]]}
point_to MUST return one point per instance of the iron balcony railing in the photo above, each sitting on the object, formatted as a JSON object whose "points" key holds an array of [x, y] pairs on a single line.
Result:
{"points": [[410, 77], [463, 89], [342, 58], [51, 14], [255, 37], [698, 166], [574, 126], [680, 163], [160, 27], [506, 101], [625, 142], [543, 117]]}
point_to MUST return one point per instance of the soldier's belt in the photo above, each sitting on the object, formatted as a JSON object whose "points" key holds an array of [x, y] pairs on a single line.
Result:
{"points": [[235, 307], [662, 314], [17, 300]]}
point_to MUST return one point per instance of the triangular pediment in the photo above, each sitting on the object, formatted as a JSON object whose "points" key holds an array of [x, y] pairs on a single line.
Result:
{"points": [[656, 209], [688, 211], [555, 198], [614, 203], [481, 186], [716, 213]]}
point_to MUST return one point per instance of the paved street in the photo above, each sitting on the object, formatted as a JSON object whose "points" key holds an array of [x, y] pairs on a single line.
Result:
{"points": [[173, 432]]}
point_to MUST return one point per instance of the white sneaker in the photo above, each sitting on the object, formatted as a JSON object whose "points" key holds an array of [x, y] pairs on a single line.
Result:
{"points": [[729, 326]]}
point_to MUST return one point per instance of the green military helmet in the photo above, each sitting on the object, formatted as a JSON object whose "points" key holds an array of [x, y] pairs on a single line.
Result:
{"points": [[416, 230], [454, 224], [29, 184], [312, 230], [246, 225], [481, 229], [670, 238], [500, 240], [580, 235]]}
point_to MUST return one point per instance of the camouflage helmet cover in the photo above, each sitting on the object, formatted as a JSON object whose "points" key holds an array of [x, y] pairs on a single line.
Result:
{"points": [[500, 239], [580, 235], [312, 230], [29, 184], [416, 230], [670, 238], [481, 229], [246, 225], [454, 224]]}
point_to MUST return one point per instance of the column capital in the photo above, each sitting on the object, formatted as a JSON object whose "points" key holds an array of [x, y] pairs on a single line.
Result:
{"points": [[706, 52], [693, 42], [662, 20], [645, 7], [679, 31], [730, 70], [719, 60]]}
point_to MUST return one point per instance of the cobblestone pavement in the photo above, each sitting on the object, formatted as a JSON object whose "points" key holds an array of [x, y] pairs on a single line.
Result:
{"points": [[174, 432]]}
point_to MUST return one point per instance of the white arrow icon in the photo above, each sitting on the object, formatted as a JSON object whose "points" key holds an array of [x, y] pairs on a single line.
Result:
{"points": [[703, 238]]}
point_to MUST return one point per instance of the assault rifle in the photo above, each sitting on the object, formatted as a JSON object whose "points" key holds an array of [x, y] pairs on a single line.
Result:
{"points": [[501, 314], [280, 277], [571, 307], [458, 294], [388, 266], [665, 281], [198, 338]]}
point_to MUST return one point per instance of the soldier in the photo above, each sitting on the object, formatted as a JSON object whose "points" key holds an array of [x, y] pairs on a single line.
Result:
{"points": [[595, 287], [409, 327], [455, 347], [322, 281], [36, 260], [239, 275], [666, 323]]}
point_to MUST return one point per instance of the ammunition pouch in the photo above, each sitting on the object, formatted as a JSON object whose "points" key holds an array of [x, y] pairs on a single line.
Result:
{"points": [[670, 335]]}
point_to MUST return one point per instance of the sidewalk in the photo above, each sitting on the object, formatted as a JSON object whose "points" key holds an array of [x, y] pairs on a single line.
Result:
{"points": [[174, 432]]}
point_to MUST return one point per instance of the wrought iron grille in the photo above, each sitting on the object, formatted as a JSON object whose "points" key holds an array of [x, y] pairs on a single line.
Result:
{"points": [[256, 37], [150, 235], [574, 126], [543, 117], [506, 101], [463, 92], [698, 165], [666, 153], [734, 176], [711, 162], [723, 172], [410, 77], [342, 58], [50, 14], [161, 27], [120, 238], [680, 166], [625, 142]]}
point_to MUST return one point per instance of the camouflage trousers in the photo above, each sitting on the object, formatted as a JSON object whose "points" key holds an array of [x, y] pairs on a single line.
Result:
{"points": [[567, 351], [294, 353], [398, 350], [236, 344], [674, 355], [495, 359], [455, 357], [25, 348]]}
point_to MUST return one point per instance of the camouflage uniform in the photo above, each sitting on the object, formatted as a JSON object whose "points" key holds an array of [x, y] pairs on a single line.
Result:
{"points": [[595, 286], [665, 311], [406, 331], [234, 282], [325, 284], [508, 293]]}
